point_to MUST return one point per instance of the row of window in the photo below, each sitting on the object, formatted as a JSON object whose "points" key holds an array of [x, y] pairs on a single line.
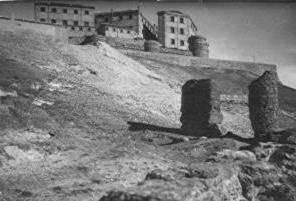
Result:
{"points": [[173, 42], [181, 30], [54, 10], [130, 17], [80, 28], [65, 22], [173, 19], [121, 30]]}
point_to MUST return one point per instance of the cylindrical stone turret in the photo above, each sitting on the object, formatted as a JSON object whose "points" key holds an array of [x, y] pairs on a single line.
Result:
{"points": [[264, 105], [151, 46], [200, 105], [198, 46]]}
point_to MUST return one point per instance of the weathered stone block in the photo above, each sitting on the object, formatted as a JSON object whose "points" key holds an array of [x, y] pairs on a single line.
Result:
{"points": [[200, 105], [264, 105]]}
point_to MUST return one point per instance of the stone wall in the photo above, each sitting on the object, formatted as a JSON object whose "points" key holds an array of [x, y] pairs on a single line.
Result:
{"points": [[238, 99], [200, 106], [256, 68], [138, 44], [57, 31]]}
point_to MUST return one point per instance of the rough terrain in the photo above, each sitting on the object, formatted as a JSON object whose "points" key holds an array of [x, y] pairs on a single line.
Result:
{"points": [[78, 122]]}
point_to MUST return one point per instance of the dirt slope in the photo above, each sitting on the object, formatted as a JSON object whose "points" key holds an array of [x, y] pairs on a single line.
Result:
{"points": [[79, 121]]}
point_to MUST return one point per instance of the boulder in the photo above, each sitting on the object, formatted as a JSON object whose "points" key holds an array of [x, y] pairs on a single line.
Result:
{"points": [[126, 196]]}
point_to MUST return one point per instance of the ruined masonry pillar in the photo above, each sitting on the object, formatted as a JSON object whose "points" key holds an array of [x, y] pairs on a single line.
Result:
{"points": [[200, 105], [263, 104]]}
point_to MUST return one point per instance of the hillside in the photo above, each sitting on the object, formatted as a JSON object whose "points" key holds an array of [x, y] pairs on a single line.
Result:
{"points": [[79, 121]]}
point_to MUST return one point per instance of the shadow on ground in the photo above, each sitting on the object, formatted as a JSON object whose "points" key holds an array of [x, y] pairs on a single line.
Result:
{"points": [[137, 126]]}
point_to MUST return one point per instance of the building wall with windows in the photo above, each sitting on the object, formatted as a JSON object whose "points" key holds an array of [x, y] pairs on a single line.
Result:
{"points": [[174, 29], [131, 19], [115, 31], [74, 17]]}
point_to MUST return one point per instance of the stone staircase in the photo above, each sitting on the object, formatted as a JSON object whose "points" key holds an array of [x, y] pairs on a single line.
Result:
{"points": [[150, 27]]}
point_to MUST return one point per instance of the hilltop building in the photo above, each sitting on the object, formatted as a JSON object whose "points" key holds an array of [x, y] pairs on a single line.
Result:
{"points": [[125, 24], [174, 29], [75, 17]]}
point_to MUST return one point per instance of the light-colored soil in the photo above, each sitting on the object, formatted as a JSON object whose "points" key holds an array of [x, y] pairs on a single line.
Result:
{"points": [[66, 115]]}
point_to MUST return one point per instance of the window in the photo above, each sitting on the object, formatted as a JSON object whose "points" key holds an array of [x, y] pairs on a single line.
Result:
{"points": [[75, 23], [182, 31], [53, 10], [121, 30], [173, 41], [182, 20], [53, 21], [42, 9], [75, 12], [80, 28], [172, 18], [86, 24], [114, 29], [106, 19], [130, 17], [88, 29], [182, 43], [86, 12], [65, 10], [73, 28], [172, 30], [120, 18], [65, 23], [42, 20]]}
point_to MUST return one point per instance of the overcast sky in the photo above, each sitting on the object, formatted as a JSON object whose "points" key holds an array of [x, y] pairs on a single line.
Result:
{"points": [[264, 32]]}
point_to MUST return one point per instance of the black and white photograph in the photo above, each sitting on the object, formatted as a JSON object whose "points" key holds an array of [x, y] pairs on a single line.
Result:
{"points": [[147, 100]]}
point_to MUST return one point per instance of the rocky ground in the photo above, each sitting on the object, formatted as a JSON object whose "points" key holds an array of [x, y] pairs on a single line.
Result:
{"points": [[88, 123]]}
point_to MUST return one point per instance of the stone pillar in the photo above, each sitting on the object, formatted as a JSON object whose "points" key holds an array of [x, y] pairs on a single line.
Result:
{"points": [[264, 105], [200, 106]]}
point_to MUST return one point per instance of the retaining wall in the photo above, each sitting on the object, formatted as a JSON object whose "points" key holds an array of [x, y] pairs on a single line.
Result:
{"points": [[256, 68], [57, 31]]}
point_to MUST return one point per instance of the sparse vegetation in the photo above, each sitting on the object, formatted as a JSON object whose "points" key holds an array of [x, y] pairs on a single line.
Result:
{"points": [[117, 130]]}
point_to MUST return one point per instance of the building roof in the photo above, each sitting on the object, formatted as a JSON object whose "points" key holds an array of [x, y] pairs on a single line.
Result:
{"points": [[64, 5], [117, 12], [172, 12]]}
